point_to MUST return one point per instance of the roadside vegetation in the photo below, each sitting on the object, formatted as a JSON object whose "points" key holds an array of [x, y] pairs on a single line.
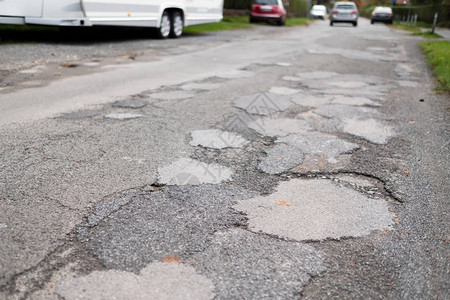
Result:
{"points": [[228, 23], [238, 22], [438, 57], [415, 30]]}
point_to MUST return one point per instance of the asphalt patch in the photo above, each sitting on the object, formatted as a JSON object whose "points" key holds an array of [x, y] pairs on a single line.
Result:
{"points": [[244, 265], [177, 220]]}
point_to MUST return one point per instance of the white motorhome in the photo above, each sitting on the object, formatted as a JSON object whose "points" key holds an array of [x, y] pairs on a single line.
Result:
{"points": [[169, 16]]}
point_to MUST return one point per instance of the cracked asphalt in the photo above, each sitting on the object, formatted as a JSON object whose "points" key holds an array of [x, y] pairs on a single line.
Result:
{"points": [[268, 163]]}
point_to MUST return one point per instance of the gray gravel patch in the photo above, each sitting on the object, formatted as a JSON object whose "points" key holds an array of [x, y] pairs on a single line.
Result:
{"points": [[316, 75], [263, 103], [236, 74], [245, 265], [82, 114], [279, 127], [370, 129], [200, 86], [319, 144], [172, 95], [156, 281], [316, 210], [217, 139], [239, 124], [177, 220], [281, 158], [311, 100], [291, 78], [281, 90], [355, 101], [340, 111], [123, 116], [348, 84], [129, 103], [186, 171]]}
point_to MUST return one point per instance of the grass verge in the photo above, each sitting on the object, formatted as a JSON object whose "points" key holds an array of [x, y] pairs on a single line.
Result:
{"points": [[406, 27], [415, 30], [238, 22], [428, 34], [438, 57], [228, 23]]}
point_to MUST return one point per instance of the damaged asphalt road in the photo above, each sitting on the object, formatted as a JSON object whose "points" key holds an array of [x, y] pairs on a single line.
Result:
{"points": [[274, 163]]}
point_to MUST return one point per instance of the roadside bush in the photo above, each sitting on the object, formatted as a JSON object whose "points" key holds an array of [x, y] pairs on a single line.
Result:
{"points": [[424, 13]]}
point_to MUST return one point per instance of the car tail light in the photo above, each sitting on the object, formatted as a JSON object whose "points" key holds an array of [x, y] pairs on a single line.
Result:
{"points": [[335, 11], [375, 15], [390, 15], [354, 12], [275, 8]]}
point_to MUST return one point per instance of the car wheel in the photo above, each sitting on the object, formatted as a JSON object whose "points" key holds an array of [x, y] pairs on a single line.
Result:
{"points": [[251, 20], [355, 24], [331, 23], [163, 32], [282, 21], [371, 22], [176, 28]]}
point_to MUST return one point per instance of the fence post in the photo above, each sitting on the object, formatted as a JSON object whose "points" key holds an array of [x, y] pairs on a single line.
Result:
{"points": [[434, 22], [415, 20]]}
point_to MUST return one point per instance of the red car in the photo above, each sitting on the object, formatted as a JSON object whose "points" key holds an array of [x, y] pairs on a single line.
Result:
{"points": [[268, 10]]}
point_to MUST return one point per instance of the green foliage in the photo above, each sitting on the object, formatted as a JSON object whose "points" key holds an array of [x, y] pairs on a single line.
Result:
{"points": [[428, 35], [298, 7], [424, 13], [438, 56], [407, 27], [228, 23], [297, 21]]}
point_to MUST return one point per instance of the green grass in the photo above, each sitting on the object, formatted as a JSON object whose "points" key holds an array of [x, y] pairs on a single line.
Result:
{"points": [[428, 34], [411, 28], [297, 21], [415, 30], [238, 22], [438, 56], [228, 23]]}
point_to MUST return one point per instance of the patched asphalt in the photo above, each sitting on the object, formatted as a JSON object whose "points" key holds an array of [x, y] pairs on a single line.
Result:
{"points": [[217, 139], [186, 171], [266, 181], [156, 281], [173, 221], [316, 210]]}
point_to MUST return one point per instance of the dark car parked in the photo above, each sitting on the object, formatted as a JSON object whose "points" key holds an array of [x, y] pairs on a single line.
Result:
{"points": [[268, 10], [382, 14]]}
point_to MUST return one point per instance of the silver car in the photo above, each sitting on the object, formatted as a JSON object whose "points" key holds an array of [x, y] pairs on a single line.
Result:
{"points": [[344, 12]]}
